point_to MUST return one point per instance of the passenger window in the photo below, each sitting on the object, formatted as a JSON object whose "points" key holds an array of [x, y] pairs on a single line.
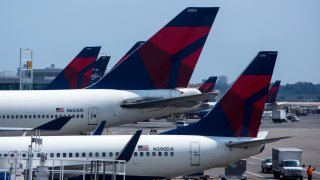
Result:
{"points": [[21, 116], [12, 116], [77, 154], [147, 153], [90, 154], [103, 154], [64, 154], [165, 153], [135, 154], [51, 155], [39, 116], [5, 155], [17, 116], [8, 117], [110, 154], [153, 153], [11, 155], [25, 116], [159, 153], [58, 155], [38, 155], [47, 116], [24, 155], [83, 154], [141, 153], [73, 116], [95, 116], [77, 115], [81, 115], [34, 116], [51, 116], [56, 116], [3, 116], [70, 154], [30, 116], [97, 154], [171, 153]]}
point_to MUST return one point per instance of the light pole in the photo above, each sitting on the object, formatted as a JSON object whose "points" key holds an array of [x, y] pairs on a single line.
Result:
{"points": [[29, 67]]}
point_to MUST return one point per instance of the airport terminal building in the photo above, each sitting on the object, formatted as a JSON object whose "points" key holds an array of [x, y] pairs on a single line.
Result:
{"points": [[41, 78]]}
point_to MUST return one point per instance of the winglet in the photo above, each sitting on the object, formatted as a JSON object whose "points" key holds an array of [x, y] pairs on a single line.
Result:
{"points": [[127, 151], [238, 113], [273, 92], [208, 85], [55, 124], [99, 129]]}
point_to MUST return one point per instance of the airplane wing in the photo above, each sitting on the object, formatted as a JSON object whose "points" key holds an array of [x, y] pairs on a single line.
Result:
{"points": [[53, 125], [289, 103], [246, 144], [183, 101]]}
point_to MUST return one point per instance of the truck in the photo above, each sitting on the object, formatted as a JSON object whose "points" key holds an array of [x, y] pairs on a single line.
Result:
{"points": [[286, 162], [279, 116]]}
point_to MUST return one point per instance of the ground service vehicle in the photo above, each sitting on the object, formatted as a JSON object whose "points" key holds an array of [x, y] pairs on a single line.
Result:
{"points": [[266, 165], [286, 162], [279, 116], [181, 124]]}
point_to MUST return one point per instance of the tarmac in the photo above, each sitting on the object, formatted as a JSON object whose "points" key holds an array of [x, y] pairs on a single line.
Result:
{"points": [[305, 135]]}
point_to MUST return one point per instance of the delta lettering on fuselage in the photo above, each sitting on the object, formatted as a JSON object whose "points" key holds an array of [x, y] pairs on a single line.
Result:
{"points": [[75, 110], [163, 149]]}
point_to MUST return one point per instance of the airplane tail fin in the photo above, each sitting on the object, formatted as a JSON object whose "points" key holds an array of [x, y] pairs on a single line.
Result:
{"points": [[168, 58], [132, 49], [238, 113], [99, 69], [273, 92], [208, 86], [77, 74]]}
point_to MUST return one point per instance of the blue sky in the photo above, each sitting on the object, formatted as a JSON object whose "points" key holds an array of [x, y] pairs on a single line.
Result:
{"points": [[58, 30]]}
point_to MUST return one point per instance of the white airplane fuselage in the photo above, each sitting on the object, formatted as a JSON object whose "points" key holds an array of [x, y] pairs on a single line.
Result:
{"points": [[169, 155], [30, 109]]}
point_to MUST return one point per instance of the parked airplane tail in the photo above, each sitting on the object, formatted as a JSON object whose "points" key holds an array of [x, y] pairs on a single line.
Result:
{"points": [[208, 85], [238, 113], [273, 92], [77, 74], [99, 69], [168, 58]]}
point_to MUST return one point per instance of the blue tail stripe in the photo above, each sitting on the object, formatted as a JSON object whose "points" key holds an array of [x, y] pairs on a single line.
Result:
{"points": [[248, 109], [174, 71]]}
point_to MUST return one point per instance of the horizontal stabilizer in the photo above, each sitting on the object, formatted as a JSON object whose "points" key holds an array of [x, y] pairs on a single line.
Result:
{"points": [[127, 151], [183, 101], [246, 144]]}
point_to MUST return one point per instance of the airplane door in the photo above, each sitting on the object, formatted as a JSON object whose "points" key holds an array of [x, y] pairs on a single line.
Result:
{"points": [[195, 154], [92, 116]]}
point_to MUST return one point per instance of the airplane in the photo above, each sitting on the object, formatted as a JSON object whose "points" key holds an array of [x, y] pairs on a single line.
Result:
{"points": [[88, 107], [208, 85], [227, 134], [273, 104], [77, 73]]}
